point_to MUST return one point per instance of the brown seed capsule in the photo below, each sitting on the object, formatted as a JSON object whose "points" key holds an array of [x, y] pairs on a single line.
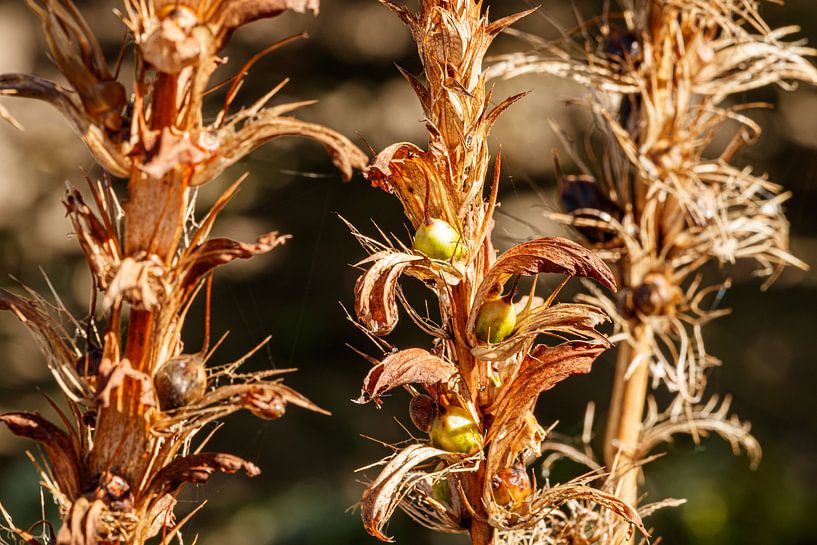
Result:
{"points": [[656, 295], [584, 192], [622, 47], [180, 381], [511, 486], [422, 411]]}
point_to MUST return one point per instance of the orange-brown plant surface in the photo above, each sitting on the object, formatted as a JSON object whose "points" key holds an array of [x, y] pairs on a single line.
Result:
{"points": [[662, 200], [474, 386], [137, 397]]}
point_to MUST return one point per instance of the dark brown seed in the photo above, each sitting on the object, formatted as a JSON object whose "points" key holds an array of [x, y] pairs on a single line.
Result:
{"points": [[622, 47], [422, 411], [583, 192], [180, 381], [656, 295]]}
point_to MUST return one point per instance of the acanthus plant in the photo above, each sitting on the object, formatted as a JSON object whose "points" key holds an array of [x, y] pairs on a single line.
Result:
{"points": [[138, 400], [662, 201], [475, 386]]}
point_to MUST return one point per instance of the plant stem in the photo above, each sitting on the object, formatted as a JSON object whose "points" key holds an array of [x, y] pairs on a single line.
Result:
{"points": [[154, 222], [626, 413]]}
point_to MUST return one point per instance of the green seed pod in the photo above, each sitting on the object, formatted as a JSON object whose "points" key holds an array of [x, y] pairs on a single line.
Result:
{"points": [[422, 411], [438, 240], [441, 491], [496, 321], [455, 431], [511, 486], [180, 381]]}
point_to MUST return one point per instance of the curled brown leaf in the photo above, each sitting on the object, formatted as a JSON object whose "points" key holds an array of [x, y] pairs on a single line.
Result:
{"points": [[375, 290], [260, 127], [220, 251], [410, 366], [59, 448], [541, 370], [197, 469], [543, 255], [383, 496]]}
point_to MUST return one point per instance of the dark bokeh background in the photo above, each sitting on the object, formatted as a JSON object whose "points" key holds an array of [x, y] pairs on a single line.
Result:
{"points": [[296, 294]]}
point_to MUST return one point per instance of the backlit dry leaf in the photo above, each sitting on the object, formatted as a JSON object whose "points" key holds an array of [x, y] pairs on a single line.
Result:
{"points": [[197, 469], [410, 366], [544, 255], [220, 251], [541, 370], [244, 134], [47, 334], [105, 151], [236, 13], [59, 448], [382, 497], [411, 174], [375, 296]]}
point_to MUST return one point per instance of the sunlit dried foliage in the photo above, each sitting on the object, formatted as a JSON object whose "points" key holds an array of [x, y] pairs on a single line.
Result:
{"points": [[474, 388], [137, 399], [660, 198]]}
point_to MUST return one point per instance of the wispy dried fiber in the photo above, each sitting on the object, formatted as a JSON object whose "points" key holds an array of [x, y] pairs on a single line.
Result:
{"points": [[660, 200]]}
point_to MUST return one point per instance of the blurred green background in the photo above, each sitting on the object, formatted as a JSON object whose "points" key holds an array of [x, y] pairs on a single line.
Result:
{"points": [[297, 293]]}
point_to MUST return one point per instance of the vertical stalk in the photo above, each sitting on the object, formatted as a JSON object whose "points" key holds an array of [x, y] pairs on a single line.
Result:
{"points": [[154, 222], [629, 396]]}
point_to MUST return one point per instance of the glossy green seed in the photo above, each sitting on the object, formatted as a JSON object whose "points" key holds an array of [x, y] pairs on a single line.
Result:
{"points": [[454, 431], [496, 321], [438, 240]]}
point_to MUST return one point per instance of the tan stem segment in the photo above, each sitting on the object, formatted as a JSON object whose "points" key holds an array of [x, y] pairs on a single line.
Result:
{"points": [[626, 413], [155, 212]]}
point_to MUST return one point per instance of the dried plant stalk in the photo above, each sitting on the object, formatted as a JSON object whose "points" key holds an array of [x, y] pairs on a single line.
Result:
{"points": [[137, 399], [664, 79], [474, 390]]}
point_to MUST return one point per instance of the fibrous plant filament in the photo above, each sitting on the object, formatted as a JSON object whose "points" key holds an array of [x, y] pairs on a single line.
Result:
{"points": [[659, 205]]}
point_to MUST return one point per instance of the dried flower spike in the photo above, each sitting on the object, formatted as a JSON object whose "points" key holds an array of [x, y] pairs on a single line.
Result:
{"points": [[669, 77], [483, 372], [137, 402]]}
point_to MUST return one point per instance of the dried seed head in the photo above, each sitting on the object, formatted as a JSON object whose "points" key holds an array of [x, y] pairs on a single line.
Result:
{"points": [[656, 295], [438, 240], [622, 47], [455, 431], [422, 410], [511, 486], [180, 381]]}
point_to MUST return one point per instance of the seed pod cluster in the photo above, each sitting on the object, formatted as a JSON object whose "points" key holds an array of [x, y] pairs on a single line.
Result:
{"points": [[656, 295], [180, 381]]}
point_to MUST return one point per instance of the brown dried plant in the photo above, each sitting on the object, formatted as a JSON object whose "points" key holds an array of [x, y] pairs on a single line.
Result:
{"points": [[136, 398], [662, 199], [475, 387]]}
